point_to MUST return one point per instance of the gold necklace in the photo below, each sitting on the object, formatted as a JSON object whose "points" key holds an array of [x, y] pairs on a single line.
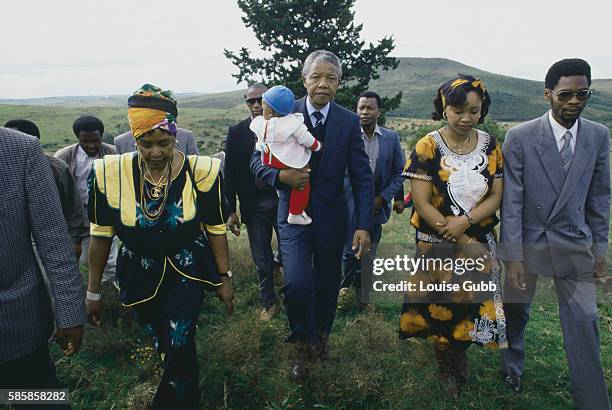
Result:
{"points": [[154, 214], [157, 190], [454, 144], [161, 178]]}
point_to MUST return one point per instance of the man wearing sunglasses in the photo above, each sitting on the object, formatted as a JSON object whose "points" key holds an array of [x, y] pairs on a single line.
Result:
{"points": [[555, 222], [258, 200]]}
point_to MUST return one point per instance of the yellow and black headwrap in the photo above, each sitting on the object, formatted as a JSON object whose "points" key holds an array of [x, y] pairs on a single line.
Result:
{"points": [[150, 108], [456, 89]]}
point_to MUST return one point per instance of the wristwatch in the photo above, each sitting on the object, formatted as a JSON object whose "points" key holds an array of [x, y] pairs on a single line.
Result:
{"points": [[227, 274]]}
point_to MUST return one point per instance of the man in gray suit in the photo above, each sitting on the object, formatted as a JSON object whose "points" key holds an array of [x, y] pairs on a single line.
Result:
{"points": [[30, 208], [387, 161], [185, 142], [80, 156], [555, 222]]}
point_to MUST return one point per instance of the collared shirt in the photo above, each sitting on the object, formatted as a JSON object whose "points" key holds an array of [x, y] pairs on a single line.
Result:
{"points": [[372, 147], [82, 168], [311, 109], [559, 131]]}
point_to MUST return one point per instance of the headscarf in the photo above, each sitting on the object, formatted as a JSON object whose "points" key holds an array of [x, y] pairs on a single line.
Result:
{"points": [[474, 84], [150, 108]]}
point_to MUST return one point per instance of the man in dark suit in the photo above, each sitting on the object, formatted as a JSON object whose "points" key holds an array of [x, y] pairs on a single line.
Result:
{"points": [[386, 160], [312, 254], [555, 223], [258, 200], [30, 209]]}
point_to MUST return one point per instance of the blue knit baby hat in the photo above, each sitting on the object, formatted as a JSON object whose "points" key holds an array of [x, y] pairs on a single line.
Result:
{"points": [[280, 99]]}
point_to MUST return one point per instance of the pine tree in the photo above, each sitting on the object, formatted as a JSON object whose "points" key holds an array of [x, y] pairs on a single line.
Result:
{"points": [[291, 29]]}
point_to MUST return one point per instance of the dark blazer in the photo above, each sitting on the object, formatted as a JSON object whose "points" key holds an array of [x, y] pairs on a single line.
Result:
{"points": [[554, 224], [239, 180], [30, 208], [388, 178], [69, 197], [342, 149]]}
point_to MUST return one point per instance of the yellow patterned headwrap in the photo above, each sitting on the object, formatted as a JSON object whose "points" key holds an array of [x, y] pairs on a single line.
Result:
{"points": [[150, 108], [462, 79]]}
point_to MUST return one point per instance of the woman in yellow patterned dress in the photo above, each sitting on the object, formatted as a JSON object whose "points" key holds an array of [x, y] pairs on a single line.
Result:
{"points": [[166, 207], [456, 182]]}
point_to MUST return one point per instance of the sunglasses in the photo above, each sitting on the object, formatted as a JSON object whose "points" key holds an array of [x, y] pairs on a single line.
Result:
{"points": [[252, 101], [567, 95]]}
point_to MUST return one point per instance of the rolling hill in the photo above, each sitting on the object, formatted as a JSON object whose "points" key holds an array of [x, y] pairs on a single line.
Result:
{"points": [[514, 99]]}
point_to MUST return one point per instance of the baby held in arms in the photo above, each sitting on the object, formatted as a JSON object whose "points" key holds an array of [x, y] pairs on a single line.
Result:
{"points": [[284, 142]]}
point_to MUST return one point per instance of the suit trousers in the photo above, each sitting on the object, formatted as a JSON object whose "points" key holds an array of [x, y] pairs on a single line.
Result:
{"points": [[578, 316], [32, 371], [312, 274], [262, 222]]}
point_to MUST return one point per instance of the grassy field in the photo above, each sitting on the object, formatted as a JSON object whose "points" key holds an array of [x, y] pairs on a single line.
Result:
{"points": [[244, 362]]}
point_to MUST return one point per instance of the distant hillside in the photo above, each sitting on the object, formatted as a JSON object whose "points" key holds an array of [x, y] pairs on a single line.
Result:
{"points": [[84, 101], [603, 85], [514, 99]]}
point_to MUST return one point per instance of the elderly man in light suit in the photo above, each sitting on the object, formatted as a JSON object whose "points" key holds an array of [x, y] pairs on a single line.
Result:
{"points": [[30, 208], [555, 222], [185, 142]]}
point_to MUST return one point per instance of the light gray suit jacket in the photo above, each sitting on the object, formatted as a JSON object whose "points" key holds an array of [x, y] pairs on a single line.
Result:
{"points": [[30, 208], [553, 223], [186, 142]]}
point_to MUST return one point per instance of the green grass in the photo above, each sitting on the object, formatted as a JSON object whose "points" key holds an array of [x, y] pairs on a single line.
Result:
{"points": [[244, 363]]}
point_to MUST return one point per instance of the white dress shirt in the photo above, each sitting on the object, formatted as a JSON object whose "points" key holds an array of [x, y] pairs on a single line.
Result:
{"points": [[372, 147], [559, 131], [311, 109], [82, 169]]}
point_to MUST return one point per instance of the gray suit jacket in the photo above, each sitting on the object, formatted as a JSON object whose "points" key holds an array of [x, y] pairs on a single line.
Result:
{"points": [[186, 142], [555, 224], [30, 208], [387, 176]]}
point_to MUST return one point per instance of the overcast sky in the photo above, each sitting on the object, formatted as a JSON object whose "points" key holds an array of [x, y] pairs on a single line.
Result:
{"points": [[93, 47]]}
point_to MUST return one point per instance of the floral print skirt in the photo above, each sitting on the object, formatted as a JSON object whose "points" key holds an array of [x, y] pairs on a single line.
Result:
{"points": [[451, 305]]}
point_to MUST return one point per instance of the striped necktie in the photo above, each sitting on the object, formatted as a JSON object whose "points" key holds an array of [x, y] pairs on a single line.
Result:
{"points": [[319, 127], [566, 151]]}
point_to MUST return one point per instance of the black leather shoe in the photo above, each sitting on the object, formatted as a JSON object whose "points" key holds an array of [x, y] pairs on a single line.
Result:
{"points": [[514, 383]]}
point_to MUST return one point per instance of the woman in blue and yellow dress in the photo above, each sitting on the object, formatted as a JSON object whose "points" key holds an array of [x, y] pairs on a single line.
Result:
{"points": [[167, 210], [456, 176]]}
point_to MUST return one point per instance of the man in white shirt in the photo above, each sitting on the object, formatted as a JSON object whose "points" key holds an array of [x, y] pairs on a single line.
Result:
{"points": [[79, 157]]}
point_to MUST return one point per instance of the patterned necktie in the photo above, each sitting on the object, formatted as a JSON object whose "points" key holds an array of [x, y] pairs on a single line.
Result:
{"points": [[566, 151], [319, 126]]}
